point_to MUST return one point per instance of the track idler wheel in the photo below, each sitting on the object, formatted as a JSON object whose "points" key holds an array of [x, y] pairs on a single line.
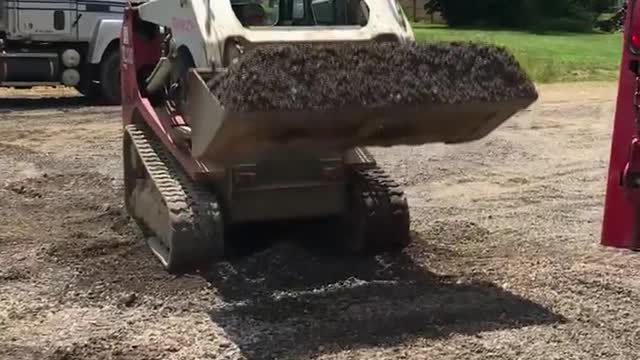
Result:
{"points": [[181, 220], [379, 217]]}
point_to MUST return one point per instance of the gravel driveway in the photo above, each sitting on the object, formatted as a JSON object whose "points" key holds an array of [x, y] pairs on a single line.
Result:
{"points": [[505, 264]]}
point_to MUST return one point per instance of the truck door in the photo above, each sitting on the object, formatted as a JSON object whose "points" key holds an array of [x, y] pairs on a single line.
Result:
{"points": [[44, 18]]}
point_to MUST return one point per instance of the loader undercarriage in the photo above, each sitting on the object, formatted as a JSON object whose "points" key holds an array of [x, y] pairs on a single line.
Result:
{"points": [[184, 224]]}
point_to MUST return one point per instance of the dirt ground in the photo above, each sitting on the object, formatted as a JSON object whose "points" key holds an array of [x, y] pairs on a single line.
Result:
{"points": [[505, 265]]}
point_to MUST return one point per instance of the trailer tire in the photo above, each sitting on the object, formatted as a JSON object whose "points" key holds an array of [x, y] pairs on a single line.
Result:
{"points": [[110, 77]]}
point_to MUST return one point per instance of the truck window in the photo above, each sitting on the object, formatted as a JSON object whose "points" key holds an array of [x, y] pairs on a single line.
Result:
{"points": [[270, 13]]}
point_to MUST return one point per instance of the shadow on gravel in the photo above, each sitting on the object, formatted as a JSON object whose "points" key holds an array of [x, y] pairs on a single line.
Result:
{"points": [[287, 302], [11, 104]]}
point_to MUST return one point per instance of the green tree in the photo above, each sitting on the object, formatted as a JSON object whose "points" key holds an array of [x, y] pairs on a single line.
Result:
{"points": [[569, 15]]}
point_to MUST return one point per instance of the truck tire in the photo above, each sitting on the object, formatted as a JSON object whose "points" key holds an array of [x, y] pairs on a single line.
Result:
{"points": [[90, 91], [110, 77]]}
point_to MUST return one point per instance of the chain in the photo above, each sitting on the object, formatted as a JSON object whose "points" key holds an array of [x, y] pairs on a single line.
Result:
{"points": [[635, 180], [636, 103]]}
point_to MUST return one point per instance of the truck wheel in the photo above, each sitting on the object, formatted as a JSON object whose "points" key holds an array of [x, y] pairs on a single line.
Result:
{"points": [[91, 91], [110, 77]]}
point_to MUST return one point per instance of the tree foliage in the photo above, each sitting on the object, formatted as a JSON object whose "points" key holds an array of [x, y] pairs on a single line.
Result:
{"points": [[570, 15]]}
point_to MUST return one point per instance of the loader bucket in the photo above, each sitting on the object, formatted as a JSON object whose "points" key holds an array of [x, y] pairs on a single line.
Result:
{"points": [[221, 135]]}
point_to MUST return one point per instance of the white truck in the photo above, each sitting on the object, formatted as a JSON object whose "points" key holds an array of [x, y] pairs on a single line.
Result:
{"points": [[62, 42]]}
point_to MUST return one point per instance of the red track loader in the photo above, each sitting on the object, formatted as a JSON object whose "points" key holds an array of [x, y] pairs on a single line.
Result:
{"points": [[192, 166], [621, 223]]}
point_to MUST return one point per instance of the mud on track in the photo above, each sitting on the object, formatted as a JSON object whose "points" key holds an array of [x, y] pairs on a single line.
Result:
{"points": [[505, 264]]}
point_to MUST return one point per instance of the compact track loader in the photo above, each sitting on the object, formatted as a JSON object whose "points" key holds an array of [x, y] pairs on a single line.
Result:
{"points": [[193, 166]]}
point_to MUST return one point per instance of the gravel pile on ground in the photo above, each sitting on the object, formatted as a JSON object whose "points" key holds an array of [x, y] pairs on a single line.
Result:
{"points": [[297, 77]]}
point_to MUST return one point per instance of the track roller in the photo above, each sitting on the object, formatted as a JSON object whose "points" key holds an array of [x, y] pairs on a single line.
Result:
{"points": [[379, 215], [181, 219]]}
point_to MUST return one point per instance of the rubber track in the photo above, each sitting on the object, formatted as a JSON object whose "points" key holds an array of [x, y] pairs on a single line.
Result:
{"points": [[387, 217], [194, 212]]}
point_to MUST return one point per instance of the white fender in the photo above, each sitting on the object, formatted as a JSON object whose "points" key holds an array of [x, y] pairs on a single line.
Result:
{"points": [[104, 33], [187, 20]]}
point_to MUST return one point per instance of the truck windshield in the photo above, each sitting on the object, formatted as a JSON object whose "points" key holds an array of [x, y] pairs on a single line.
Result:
{"points": [[270, 13]]}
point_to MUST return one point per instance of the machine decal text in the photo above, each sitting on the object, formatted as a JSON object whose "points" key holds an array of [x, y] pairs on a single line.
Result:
{"points": [[127, 55], [182, 25]]}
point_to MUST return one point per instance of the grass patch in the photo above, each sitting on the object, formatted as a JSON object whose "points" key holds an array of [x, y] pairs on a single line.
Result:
{"points": [[546, 57]]}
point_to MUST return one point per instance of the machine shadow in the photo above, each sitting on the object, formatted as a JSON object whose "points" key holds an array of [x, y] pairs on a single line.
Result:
{"points": [[297, 303], [38, 103]]}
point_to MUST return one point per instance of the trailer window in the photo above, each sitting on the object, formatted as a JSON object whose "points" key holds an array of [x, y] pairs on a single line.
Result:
{"points": [[301, 12]]}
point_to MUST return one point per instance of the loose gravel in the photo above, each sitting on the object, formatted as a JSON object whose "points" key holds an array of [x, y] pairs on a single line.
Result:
{"points": [[306, 77], [504, 265]]}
